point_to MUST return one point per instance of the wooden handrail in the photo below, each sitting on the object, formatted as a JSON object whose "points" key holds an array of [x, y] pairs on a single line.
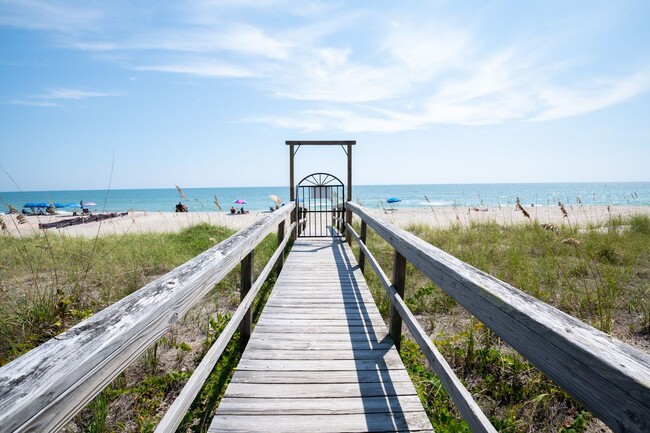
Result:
{"points": [[611, 378], [46, 387], [174, 415], [468, 408]]}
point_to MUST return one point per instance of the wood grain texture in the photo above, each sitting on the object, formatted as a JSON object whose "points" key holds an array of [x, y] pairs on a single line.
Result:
{"points": [[41, 390], [320, 358], [611, 378]]}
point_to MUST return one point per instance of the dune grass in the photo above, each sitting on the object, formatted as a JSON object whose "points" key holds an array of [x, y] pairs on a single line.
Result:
{"points": [[599, 274], [50, 283]]}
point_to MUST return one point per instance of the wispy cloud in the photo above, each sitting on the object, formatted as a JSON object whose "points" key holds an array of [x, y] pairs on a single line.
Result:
{"points": [[57, 97], [200, 69], [74, 94], [51, 15], [349, 69]]}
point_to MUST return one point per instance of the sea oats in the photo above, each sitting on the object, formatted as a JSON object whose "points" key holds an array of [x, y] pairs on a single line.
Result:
{"points": [[180, 192], [571, 242], [551, 228]]}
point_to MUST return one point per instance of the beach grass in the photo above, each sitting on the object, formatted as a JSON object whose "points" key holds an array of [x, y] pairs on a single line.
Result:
{"points": [[599, 274], [49, 283]]}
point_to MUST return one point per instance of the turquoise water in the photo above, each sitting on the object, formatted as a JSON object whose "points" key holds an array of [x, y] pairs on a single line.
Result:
{"points": [[374, 196]]}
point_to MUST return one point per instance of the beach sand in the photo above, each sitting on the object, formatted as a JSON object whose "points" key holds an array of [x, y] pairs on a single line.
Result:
{"points": [[143, 222]]}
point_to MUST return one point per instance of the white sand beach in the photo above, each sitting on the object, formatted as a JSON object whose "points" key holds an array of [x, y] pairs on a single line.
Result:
{"points": [[143, 222]]}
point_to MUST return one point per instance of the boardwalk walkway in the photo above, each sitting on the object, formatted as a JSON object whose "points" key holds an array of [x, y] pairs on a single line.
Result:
{"points": [[320, 358]]}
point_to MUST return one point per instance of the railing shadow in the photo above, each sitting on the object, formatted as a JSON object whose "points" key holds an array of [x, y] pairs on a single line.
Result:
{"points": [[378, 392]]}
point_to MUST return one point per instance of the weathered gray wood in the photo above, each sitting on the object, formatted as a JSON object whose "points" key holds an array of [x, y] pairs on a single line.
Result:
{"points": [[399, 280], [609, 377], [464, 401], [362, 255], [174, 415], [353, 353], [246, 278], [43, 389], [322, 345], [314, 345], [281, 230], [320, 406], [377, 422], [320, 376]]}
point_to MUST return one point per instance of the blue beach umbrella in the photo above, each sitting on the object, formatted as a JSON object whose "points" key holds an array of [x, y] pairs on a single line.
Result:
{"points": [[393, 200], [41, 204]]}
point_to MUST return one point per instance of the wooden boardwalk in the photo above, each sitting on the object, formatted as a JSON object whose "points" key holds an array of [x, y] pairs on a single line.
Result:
{"points": [[320, 358]]}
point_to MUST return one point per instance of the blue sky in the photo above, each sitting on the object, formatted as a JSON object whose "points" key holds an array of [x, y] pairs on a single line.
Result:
{"points": [[204, 93]]}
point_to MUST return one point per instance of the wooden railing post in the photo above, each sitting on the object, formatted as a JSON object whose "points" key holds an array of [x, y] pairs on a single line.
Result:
{"points": [[362, 255], [348, 220], [280, 261], [294, 232], [399, 279], [338, 223], [246, 326]]}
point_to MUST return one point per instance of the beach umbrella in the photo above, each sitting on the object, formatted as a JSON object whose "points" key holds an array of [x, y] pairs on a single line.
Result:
{"points": [[240, 201], [275, 198], [77, 205], [40, 204], [90, 203], [393, 200]]}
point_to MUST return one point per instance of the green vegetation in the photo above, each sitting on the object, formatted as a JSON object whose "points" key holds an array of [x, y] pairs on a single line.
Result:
{"points": [[598, 274], [50, 283]]}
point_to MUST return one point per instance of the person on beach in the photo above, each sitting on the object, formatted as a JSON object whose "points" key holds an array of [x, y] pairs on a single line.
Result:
{"points": [[180, 207], [233, 210]]}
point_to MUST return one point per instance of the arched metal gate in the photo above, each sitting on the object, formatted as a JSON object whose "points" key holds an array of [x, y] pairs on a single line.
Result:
{"points": [[318, 196]]}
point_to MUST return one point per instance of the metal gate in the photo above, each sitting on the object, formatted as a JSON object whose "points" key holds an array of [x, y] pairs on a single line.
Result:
{"points": [[319, 195]]}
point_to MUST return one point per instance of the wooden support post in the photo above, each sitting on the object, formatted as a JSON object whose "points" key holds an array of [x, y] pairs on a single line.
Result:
{"points": [[399, 279], [291, 180], [246, 326], [348, 213], [348, 219], [362, 256], [280, 261]]}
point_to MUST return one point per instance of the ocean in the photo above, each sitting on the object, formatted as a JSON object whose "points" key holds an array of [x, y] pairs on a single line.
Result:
{"points": [[373, 196]]}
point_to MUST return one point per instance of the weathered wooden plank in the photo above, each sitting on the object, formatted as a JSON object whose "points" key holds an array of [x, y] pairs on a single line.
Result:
{"points": [[266, 334], [317, 323], [310, 365], [321, 390], [279, 313], [324, 330], [381, 422], [316, 345], [320, 376], [325, 355], [611, 378], [43, 389], [320, 406]]}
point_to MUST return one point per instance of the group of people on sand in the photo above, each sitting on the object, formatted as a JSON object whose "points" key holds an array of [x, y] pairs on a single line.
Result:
{"points": [[180, 207], [234, 211]]}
